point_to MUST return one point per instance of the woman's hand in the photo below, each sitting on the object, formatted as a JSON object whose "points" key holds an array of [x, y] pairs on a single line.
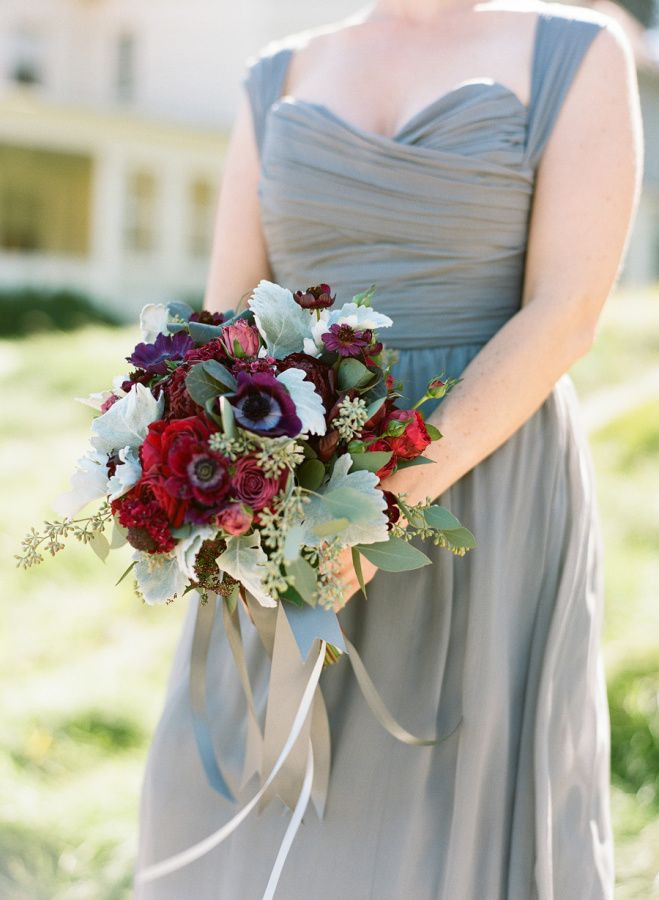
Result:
{"points": [[348, 578]]}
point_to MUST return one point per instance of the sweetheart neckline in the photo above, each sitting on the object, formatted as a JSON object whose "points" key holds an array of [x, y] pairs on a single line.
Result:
{"points": [[395, 138], [426, 111]]}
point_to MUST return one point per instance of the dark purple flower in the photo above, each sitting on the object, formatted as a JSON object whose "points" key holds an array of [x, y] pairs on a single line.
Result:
{"points": [[346, 341], [263, 405], [316, 297], [153, 357]]}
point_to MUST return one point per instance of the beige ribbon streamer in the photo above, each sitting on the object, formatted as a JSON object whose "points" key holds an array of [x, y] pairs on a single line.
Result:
{"points": [[185, 857], [254, 743], [288, 675], [264, 619], [379, 710]]}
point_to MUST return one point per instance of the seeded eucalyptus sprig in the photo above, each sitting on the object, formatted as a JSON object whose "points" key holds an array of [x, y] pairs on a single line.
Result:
{"points": [[55, 533]]}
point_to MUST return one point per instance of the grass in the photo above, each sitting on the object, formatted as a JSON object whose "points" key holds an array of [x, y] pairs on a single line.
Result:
{"points": [[83, 664]]}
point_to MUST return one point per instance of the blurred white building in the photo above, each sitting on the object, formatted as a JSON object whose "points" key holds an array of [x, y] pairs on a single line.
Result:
{"points": [[113, 121]]}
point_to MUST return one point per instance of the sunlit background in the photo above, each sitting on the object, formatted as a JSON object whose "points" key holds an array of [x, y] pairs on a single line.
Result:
{"points": [[113, 127]]}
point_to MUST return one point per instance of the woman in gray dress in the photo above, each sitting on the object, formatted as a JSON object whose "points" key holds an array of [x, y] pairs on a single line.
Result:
{"points": [[481, 164]]}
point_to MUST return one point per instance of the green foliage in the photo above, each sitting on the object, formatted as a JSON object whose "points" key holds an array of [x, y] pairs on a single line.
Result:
{"points": [[29, 310], [634, 709]]}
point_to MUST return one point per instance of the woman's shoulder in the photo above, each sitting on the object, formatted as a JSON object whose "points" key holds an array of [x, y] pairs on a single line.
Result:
{"points": [[566, 14], [298, 40]]}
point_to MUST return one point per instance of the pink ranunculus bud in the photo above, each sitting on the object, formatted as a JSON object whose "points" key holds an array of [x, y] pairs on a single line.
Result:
{"points": [[240, 340], [236, 518]]}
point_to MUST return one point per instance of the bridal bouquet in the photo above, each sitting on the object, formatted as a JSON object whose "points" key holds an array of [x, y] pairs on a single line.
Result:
{"points": [[239, 457]]}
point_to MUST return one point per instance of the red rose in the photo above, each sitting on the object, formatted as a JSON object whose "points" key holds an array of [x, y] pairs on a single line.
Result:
{"points": [[414, 439], [250, 484]]}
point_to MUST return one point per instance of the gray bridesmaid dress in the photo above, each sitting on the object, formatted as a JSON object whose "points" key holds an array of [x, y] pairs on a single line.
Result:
{"points": [[515, 803]]}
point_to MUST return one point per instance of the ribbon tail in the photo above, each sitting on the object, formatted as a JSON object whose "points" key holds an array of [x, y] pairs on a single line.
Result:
{"points": [[254, 742], [197, 685], [288, 674], [378, 708], [293, 825], [178, 860], [321, 745]]}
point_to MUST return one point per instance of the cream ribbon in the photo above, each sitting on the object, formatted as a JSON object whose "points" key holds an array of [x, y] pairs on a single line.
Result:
{"points": [[179, 860]]}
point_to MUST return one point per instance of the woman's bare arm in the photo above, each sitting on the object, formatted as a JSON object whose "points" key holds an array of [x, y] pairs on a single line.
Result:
{"points": [[587, 189], [238, 259]]}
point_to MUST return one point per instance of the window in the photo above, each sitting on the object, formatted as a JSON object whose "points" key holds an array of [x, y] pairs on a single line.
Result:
{"points": [[20, 218], [26, 55], [202, 208], [141, 212], [125, 67]]}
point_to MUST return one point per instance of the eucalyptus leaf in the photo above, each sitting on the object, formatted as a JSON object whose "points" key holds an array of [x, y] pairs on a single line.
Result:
{"points": [[440, 518], [357, 565], [311, 474], [394, 555], [417, 461], [100, 545], [201, 386], [460, 538], [353, 374], [376, 405], [202, 333], [371, 460], [128, 570], [228, 419], [220, 373]]}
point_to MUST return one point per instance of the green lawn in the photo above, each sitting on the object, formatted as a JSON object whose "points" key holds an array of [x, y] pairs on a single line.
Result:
{"points": [[83, 663]]}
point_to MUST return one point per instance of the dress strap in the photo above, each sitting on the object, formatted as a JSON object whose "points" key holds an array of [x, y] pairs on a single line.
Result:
{"points": [[561, 44], [263, 79]]}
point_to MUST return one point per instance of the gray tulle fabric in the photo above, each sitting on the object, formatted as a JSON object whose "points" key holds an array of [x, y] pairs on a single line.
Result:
{"points": [[514, 804]]}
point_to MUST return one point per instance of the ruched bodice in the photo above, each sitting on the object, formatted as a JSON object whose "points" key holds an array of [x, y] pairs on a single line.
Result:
{"points": [[437, 215], [512, 805]]}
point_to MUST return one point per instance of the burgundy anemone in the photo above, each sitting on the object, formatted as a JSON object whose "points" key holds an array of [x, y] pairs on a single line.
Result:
{"points": [[263, 405]]}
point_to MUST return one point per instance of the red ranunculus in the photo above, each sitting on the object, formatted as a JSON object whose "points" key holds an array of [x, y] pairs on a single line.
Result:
{"points": [[189, 479], [250, 484], [414, 440], [322, 377]]}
